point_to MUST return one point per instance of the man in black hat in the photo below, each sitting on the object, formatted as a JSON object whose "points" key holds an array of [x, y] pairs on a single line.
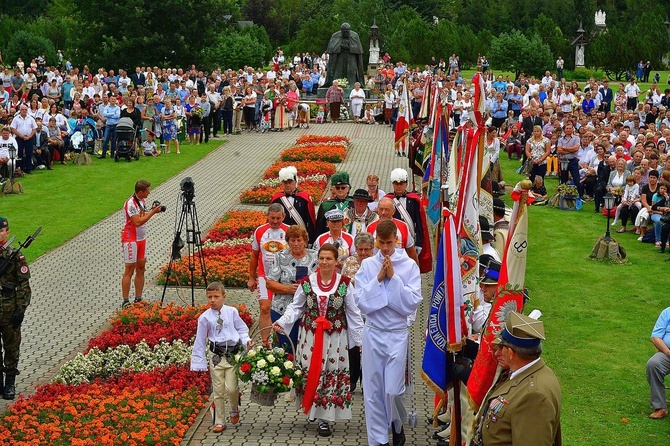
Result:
{"points": [[500, 226], [341, 201], [359, 216], [526, 408], [14, 300], [487, 238]]}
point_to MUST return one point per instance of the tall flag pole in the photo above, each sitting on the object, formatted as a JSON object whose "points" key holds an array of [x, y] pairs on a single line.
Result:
{"points": [[509, 296], [404, 120]]}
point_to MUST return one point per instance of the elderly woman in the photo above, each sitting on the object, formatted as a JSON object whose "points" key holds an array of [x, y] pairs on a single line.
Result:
{"points": [[357, 97], [290, 266], [618, 177], [331, 323], [334, 96]]}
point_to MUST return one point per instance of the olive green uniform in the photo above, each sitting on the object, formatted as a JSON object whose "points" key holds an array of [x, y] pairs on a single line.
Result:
{"points": [[14, 300]]}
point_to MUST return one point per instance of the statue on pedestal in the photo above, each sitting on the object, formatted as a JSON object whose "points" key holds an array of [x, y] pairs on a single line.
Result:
{"points": [[579, 56], [345, 53]]}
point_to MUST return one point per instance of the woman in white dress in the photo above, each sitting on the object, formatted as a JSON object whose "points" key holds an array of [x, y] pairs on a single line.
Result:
{"points": [[357, 97], [331, 324]]}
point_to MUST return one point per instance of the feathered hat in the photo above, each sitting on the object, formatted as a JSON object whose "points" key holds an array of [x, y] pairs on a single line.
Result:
{"points": [[288, 173], [398, 175]]}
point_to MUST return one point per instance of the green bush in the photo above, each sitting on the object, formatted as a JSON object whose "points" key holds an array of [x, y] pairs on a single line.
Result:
{"points": [[583, 74]]}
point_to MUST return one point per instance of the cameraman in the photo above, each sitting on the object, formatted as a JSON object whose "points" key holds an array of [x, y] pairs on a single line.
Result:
{"points": [[133, 238]]}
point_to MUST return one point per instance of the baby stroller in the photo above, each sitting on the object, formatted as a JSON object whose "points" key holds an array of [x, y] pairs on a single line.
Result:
{"points": [[125, 140], [84, 136]]}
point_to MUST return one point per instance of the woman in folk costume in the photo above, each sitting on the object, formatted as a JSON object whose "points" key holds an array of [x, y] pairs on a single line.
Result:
{"points": [[281, 117], [331, 323]]}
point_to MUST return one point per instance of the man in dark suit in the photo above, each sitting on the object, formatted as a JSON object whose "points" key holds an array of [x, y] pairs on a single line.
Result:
{"points": [[41, 155], [607, 97], [524, 409], [603, 172], [530, 120], [138, 78]]}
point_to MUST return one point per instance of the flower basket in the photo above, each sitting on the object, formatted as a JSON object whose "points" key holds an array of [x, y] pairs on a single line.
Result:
{"points": [[263, 398]]}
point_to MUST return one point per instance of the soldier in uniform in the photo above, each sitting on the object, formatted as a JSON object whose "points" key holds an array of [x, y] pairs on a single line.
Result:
{"points": [[13, 303], [298, 205], [526, 407]]}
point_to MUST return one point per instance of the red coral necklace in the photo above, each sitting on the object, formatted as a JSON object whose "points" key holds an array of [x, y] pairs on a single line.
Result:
{"points": [[325, 288]]}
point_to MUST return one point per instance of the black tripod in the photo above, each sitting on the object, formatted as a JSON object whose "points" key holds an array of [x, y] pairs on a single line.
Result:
{"points": [[188, 220]]}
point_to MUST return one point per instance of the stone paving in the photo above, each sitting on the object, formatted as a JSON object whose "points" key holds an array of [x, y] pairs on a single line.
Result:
{"points": [[76, 287]]}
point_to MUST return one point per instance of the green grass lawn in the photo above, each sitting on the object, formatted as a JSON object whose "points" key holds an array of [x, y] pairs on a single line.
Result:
{"points": [[598, 318], [71, 198]]}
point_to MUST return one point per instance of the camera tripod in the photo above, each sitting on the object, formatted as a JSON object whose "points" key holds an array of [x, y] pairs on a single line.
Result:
{"points": [[188, 222]]}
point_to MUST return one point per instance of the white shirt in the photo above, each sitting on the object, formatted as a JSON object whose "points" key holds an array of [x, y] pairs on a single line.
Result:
{"points": [[23, 126], [224, 326], [632, 90], [5, 144]]}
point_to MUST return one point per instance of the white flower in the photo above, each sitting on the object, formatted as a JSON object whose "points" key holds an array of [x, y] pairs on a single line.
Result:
{"points": [[237, 357], [290, 383], [271, 358], [288, 365], [261, 363], [298, 372], [276, 371], [251, 353], [278, 350]]}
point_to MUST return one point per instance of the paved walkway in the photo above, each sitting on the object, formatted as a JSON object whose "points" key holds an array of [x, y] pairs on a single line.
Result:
{"points": [[71, 306]]}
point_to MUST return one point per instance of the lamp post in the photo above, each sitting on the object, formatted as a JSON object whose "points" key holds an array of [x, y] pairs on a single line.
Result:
{"points": [[564, 168], [609, 205]]}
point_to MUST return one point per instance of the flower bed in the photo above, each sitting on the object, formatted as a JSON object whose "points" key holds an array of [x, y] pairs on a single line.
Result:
{"points": [[319, 139], [263, 194], [119, 395], [226, 264], [305, 168], [235, 225], [316, 152]]}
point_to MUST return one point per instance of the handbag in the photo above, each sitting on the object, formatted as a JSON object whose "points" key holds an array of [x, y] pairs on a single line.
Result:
{"points": [[527, 166], [665, 218]]}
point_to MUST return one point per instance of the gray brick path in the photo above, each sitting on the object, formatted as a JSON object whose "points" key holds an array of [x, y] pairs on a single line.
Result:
{"points": [[76, 287]]}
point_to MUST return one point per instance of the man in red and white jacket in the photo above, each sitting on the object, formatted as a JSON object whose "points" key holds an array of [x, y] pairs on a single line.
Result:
{"points": [[268, 239], [405, 241]]}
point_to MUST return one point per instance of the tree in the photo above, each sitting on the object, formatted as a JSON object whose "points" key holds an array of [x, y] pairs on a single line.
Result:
{"points": [[234, 50], [145, 32], [515, 52], [28, 46]]}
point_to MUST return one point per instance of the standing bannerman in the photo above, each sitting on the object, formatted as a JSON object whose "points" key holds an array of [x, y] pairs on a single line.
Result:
{"points": [[524, 409], [15, 299]]}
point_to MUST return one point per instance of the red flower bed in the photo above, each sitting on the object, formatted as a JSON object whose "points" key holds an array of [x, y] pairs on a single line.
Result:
{"points": [[236, 224], [316, 139], [305, 168], [263, 194], [150, 408], [330, 153], [182, 328]]}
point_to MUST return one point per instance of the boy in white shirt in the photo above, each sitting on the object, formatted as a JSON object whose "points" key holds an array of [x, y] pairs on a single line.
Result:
{"points": [[149, 146], [227, 334]]}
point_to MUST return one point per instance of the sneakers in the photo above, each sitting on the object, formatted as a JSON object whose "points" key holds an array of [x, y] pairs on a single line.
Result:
{"points": [[125, 304], [324, 429], [657, 244], [137, 300], [639, 239]]}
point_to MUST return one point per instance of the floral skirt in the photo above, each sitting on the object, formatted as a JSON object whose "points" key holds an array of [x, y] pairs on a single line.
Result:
{"points": [[169, 130], [333, 396]]}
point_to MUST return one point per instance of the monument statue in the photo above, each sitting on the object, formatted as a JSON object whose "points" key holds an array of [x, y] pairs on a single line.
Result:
{"points": [[579, 56], [345, 57]]}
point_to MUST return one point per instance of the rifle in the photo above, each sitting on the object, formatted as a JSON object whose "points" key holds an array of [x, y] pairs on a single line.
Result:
{"points": [[10, 258]]}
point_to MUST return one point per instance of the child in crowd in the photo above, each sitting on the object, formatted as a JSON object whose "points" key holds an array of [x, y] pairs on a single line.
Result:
{"points": [[227, 334], [538, 189], [369, 115], [149, 146], [303, 115], [630, 203], [266, 113], [321, 115]]}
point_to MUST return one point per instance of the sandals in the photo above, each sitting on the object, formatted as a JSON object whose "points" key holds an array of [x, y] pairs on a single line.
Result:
{"points": [[234, 418], [219, 428], [621, 231]]}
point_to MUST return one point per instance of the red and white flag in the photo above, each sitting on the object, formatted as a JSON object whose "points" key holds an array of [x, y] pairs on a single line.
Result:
{"points": [[404, 120], [509, 296]]}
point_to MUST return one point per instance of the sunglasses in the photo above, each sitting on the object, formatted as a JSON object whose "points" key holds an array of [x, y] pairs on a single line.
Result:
{"points": [[341, 187]]}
